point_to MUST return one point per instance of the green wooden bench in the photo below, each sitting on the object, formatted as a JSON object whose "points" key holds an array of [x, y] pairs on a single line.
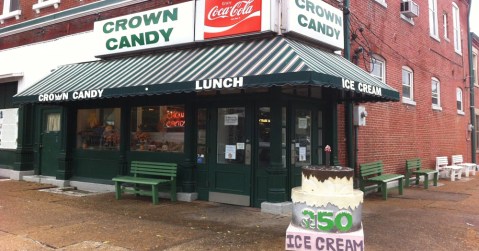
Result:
{"points": [[414, 167], [372, 173], [147, 173]]}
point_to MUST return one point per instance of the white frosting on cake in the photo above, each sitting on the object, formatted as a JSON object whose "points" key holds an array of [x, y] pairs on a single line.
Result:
{"points": [[315, 199], [330, 186]]}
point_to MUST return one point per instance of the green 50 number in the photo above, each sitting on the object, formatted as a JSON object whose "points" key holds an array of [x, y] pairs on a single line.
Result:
{"points": [[326, 220]]}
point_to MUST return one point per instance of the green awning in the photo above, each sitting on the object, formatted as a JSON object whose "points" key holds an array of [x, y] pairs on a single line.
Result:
{"points": [[260, 63]]}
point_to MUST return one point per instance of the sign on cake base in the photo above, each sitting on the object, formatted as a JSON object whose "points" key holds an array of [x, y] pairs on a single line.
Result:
{"points": [[301, 239]]}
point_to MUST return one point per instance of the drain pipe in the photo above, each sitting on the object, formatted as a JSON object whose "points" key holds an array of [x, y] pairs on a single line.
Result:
{"points": [[471, 89], [348, 105]]}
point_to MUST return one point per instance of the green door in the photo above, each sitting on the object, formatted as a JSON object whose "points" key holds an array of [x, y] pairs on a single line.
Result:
{"points": [[230, 161], [50, 142]]}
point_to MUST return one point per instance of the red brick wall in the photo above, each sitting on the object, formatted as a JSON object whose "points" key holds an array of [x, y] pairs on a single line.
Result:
{"points": [[396, 131]]}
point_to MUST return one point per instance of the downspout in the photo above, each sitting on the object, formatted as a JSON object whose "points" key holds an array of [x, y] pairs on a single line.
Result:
{"points": [[348, 105], [471, 87]]}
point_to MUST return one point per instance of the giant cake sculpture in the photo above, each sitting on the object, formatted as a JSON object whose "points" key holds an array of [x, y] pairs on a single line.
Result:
{"points": [[326, 206]]}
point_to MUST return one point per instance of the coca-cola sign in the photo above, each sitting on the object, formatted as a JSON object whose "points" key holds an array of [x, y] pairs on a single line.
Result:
{"points": [[221, 18]]}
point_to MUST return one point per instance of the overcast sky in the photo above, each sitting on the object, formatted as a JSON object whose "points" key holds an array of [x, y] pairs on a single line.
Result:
{"points": [[474, 21]]}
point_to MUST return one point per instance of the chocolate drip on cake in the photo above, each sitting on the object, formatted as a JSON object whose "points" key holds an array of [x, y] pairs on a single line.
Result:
{"points": [[322, 173]]}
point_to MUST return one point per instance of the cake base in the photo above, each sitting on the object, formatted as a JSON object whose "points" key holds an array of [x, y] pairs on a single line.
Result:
{"points": [[302, 239]]}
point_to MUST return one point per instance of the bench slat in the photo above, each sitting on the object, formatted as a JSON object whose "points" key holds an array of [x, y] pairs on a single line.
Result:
{"points": [[148, 173]]}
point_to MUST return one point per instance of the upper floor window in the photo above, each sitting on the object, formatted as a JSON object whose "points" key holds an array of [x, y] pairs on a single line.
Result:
{"points": [[445, 24], [378, 67], [407, 84], [44, 4], [456, 23], [433, 26], [460, 105], [11, 8], [436, 94]]}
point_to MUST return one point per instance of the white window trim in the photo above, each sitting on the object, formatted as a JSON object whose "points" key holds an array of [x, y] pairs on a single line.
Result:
{"points": [[456, 24], [382, 2], [383, 67], [445, 23], [44, 4], [15, 13], [434, 33], [438, 105], [411, 86], [461, 111], [407, 19]]}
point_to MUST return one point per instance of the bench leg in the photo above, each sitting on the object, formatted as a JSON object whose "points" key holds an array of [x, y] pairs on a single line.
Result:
{"points": [[154, 193], [426, 181], [384, 190], [436, 176], [453, 175], [417, 179], [117, 190], [400, 187], [173, 191]]}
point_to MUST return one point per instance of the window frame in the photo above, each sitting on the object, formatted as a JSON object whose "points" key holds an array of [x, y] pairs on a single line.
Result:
{"points": [[438, 94], [433, 21], [410, 99], [374, 59], [459, 101], [44, 4], [8, 13], [456, 24], [445, 24], [382, 2]]}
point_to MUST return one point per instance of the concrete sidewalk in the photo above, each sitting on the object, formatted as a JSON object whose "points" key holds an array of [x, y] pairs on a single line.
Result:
{"points": [[440, 218]]}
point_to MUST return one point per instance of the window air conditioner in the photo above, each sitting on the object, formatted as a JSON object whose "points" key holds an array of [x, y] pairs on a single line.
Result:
{"points": [[410, 9]]}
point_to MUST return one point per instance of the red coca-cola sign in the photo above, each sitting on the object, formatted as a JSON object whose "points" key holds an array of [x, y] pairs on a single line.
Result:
{"points": [[231, 17]]}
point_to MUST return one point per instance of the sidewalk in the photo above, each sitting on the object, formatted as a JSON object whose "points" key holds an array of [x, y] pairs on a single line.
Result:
{"points": [[440, 218]]}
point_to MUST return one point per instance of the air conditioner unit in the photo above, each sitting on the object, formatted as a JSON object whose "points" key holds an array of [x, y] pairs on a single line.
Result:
{"points": [[410, 9]]}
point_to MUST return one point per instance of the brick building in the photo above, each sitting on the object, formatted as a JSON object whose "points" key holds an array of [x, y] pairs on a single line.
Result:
{"points": [[409, 51], [412, 52]]}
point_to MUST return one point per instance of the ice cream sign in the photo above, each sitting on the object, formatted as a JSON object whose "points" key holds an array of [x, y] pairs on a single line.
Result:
{"points": [[314, 19], [160, 27]]}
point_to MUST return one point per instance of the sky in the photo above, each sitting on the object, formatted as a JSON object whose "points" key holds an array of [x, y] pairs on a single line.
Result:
{"points": [[474, 21]]}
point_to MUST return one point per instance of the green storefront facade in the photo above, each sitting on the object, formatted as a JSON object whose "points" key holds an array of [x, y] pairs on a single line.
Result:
{"points": [[238, 118]]}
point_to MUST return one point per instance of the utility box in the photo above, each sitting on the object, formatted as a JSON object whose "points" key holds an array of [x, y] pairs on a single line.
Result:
{"points": [[360, 114]]}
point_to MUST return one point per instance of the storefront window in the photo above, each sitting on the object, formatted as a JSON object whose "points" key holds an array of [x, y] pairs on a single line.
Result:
{"points": [[158, 128], [98, 129]]}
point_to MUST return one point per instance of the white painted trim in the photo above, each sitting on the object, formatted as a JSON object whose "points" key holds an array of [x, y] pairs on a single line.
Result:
{"points": [[408, 101], [76, 15], [44, 4], [15, 13]]}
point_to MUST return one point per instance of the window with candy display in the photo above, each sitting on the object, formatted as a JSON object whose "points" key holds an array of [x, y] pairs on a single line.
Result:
{"points": [[158, 128]]}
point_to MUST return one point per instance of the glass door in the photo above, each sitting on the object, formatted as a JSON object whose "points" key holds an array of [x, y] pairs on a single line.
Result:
{"points": [[230, 169], [301, 144]]}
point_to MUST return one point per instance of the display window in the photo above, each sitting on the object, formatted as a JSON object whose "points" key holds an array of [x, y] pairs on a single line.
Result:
{"points": [[158, 128], [98, 129]]}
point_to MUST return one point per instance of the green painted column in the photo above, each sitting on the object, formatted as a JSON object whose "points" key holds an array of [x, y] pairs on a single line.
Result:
{"points": [[277, 173], [124, 139], [189, 162], [64, 171], [24, 154]]}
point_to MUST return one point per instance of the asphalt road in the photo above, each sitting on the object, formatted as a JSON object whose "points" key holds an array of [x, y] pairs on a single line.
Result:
{"points": [[440, 218]]}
